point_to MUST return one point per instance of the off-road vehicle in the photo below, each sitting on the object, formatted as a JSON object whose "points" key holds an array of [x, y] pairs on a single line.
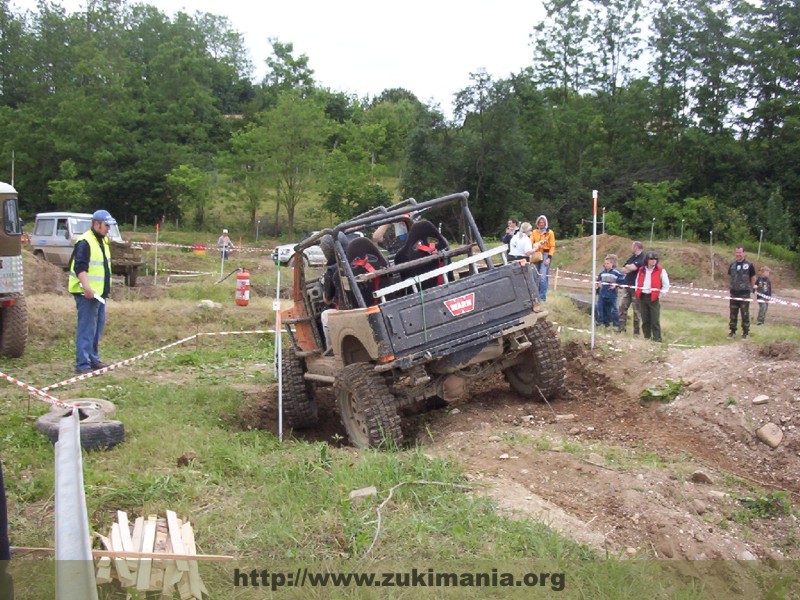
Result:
{"points": [[424, 322], [55, 234], [13, 310]]}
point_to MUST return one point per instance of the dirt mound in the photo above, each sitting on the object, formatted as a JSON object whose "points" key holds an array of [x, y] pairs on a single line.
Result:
{"points": [[42, 277], [686, 479]]}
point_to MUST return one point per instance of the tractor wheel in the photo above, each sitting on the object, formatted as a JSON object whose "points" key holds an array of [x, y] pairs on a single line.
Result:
{"points": [[14, 328], [130, 276], [544, 365], [299, 403], [367, 407]]}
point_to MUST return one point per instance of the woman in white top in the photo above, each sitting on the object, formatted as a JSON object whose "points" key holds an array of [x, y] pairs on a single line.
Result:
{"points": [[520, 246]]}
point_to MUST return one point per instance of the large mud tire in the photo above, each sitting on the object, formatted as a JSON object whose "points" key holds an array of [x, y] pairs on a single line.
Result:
{"points": [[96, 431], [299, 403], [367, 408], [14, 328], [544, 366]]}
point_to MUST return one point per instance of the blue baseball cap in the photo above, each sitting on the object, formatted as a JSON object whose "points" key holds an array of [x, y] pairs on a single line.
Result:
{"points": [[104, 216]]}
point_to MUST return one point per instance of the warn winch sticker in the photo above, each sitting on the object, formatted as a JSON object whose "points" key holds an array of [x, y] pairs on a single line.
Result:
{"points": [[462, 304]]}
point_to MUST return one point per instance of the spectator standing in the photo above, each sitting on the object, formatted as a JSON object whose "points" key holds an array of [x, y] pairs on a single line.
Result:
{"points": [[628, 294], [90, 284], [607, 282], [520, 246], [544, 240], [763, 292], [652, 282], [512, 227], [224, 244], [743, 281]]}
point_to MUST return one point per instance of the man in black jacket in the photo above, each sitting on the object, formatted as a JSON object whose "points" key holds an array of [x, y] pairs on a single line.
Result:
{"points": [[628, 294], [743, 280]]}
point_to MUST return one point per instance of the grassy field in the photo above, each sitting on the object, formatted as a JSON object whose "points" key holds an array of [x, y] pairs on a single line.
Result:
{"points": [[248, 494]]}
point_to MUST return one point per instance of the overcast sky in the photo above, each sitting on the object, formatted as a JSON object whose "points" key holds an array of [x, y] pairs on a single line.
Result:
{"points": [[426, 46]]}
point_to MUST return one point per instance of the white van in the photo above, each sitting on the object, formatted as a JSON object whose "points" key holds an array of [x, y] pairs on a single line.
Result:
{"points": [[55, 233]]}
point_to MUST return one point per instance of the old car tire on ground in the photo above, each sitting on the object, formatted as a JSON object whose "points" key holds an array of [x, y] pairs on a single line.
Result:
{"points": [[544, 365], [14, 328], [96, 431], [87, 405], [299, 403], [367, 407]]}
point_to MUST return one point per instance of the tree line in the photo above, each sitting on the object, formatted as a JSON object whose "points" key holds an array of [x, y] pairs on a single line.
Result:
{"points": [[684, 115]]}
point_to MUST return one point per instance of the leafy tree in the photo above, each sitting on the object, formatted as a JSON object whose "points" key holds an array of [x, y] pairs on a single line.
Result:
{"points": [[561, 60], [69, 192], [189, 186], [295, 134], [778, 220]]}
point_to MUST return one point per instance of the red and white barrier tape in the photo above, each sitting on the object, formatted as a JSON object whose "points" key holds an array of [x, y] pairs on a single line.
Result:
{"points": [[206, 249], [692, 289], [694, 294], [129, 361], [40, 394]]}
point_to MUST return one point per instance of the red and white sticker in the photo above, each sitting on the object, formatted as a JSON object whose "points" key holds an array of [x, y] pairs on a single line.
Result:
{"points": [[462, 304]]}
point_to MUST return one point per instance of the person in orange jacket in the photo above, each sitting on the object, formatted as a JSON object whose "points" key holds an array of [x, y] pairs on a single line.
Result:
{"points": [[544, 240]]}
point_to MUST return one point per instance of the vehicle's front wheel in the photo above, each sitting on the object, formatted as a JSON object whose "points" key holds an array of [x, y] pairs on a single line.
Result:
{"points": [[367, 407], [299, 405], [543, 366]]}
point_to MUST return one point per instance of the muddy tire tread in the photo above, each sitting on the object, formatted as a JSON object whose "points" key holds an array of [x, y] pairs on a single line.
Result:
{"points": [[378, 406], [546, 367]]}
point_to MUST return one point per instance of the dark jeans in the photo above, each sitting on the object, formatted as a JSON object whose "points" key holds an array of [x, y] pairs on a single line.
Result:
{"points": [[91, 321], [742, 306], [651, 317], [607, 311], [628, 298]]}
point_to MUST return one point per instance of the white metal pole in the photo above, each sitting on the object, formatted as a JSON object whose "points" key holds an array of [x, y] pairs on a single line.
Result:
{"points": [[652, 226], [604, 219], [711, 245], [760, 238], [155, 262], [594, 259], [682, 221]]}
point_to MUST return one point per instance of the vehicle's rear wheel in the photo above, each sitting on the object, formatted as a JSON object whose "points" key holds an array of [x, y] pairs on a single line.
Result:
{"points": [[14, 328], [38, 254], [544, 365], [299, 403], [367, 407]]}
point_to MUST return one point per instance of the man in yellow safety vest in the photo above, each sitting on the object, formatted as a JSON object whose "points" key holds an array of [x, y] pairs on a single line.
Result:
{"points": [[90, 284]]}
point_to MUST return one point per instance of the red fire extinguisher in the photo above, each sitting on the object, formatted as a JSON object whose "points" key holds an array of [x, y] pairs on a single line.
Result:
{"points": [[242, 288]]}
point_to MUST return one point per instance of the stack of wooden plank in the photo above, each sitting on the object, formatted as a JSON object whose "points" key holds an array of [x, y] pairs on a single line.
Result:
{"points": [[170, 536]]}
